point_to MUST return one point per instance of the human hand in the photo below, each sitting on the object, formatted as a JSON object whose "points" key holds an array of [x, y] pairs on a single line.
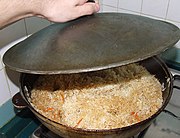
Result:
{"points": [[65, 10], [53, 10]]}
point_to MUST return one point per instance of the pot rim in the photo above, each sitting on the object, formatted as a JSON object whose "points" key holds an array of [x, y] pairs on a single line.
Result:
{"points": [[170, 81]]}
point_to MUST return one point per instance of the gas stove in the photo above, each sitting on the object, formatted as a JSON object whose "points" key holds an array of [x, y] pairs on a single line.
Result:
{"points": [[166, 125], [159, 128], [43, 132]]}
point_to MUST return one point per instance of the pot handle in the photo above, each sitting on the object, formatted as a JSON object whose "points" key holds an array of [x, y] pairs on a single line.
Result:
{"points": [[176, 77], [18, 101], [172, 114]]}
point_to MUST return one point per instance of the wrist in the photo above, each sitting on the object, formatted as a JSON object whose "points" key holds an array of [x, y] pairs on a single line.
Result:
{"points": [[31, 8], [14, 10]]}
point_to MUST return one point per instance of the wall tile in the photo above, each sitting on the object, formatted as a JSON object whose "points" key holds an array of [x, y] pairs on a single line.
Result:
{"points": [[1, 64], [101, 8], [100, 2], [34, 24], [127, 11], [101, 5], [132, 5], [13, 81], [113, 3], [4, 90], [174, 10], [12, 32], [109, 9], [177, 44], [152, 17], [6, 47], [12, 76], [156, 8]]}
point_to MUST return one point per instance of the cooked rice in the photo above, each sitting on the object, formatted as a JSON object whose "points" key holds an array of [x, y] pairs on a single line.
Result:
{"points": [[106, 99]]}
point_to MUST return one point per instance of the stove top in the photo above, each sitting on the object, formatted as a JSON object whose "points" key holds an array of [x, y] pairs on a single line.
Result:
{"points": [[43, 132], [166, 125], [25, 124]]}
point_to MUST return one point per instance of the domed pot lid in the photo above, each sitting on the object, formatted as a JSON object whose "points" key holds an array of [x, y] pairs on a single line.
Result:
{"points": [[90, 43]]}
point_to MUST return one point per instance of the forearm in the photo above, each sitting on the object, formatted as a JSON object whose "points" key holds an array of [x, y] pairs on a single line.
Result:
{"points": [[14, 10], [53, 10]]}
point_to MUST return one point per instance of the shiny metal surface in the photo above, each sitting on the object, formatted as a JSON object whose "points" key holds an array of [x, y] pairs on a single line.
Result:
{"points": [[90, 43]]}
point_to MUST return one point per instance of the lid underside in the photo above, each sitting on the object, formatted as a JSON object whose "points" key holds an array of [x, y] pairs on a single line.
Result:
{"points": [[91, 43]]}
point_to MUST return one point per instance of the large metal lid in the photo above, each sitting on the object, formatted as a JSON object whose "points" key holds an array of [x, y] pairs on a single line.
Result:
{"points": [[90, 43]]}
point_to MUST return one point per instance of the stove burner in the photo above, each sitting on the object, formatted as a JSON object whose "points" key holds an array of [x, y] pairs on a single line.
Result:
{"points": [[166, 125], [43, 132]]}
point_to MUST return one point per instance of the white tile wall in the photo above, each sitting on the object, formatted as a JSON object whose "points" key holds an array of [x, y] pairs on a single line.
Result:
{"points": [[127, 11], [168, 10], [112, 3], [174, 10], [132, 5], [5, 48], [12, 33], [109, 9], [13, 81], [1, 66], [35, 24], [4, 89], [9, 80], [156, 8]]}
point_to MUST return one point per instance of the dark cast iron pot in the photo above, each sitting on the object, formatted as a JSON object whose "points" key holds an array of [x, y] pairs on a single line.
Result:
{"points": [[154, 65]]}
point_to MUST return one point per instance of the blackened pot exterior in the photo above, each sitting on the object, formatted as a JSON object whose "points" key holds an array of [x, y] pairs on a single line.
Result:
{"points": [[154, 65]]}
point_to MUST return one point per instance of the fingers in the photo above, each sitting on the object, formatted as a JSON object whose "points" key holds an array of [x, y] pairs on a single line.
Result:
{"points": [[66, 10], [80, 2], [88, 8]]}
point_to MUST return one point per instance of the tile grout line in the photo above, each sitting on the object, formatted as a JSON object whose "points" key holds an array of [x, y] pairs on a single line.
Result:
{"points": [[6, 78], [144, 14], [141, 6], [129, 10], [25, 27], [167, 9], [161, 18], [117, 6], [102, 3], [150, 15], [109, 6], [141, 13]]}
